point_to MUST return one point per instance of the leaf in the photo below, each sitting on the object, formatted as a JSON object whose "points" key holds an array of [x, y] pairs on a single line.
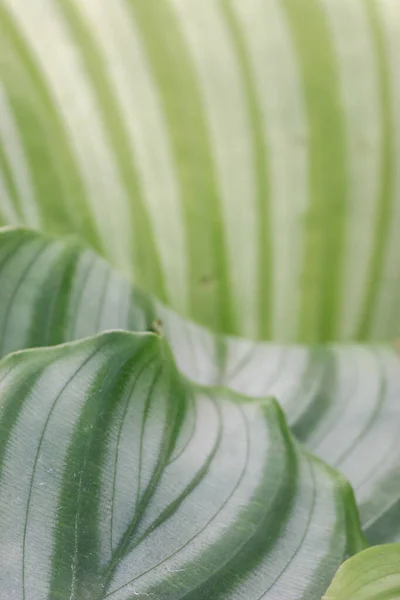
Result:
{"points": [[341, 401], [374, 574], [118, 480], [239, 159]]}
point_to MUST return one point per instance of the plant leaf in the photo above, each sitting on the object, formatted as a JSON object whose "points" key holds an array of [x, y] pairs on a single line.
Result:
{"points": [[118, 480], [239, 159], [373, 574], [341, 401]]}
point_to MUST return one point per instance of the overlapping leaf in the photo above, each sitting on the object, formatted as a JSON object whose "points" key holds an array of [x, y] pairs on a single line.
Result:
{"points": [[373, 574], [119, 481], [342, 402], [166, 161]]}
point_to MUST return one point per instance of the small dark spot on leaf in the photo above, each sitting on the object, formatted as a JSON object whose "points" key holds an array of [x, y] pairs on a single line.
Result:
{"points": [[206, 279]]}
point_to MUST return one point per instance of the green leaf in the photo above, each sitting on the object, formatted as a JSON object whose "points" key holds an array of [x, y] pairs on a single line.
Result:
{"points": [[239, 159], [371, 575], [341, 401], [118, 480]]}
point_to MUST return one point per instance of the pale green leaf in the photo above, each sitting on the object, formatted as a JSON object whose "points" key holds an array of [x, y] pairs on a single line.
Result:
{"points": [[238, 158], [118, 480], [374, 574], [341, 401]]}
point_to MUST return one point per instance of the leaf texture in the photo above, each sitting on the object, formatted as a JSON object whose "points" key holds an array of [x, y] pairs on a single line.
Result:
{"points": [[118, 480], [371, 575], [238, 159], [340, 401]]}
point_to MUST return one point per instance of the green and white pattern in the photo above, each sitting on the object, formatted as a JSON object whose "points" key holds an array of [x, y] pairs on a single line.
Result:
{"points": [[240, 159], [131, 484], [340, 401]]}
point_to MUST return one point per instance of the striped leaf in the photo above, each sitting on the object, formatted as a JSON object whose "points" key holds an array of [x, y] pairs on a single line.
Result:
{"points": [[118, 480], [371, 575], [341, 401], [240, 159]]}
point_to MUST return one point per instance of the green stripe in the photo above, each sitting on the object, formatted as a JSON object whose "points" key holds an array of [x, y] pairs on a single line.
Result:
{"points": [[25, 268], [13, 399], [58, 186], [75, 557], [51, 316], [142, 312], [232, 545], [30, 118], [10, 244], [348, 524], [162, 382], [176, 409], [262, 533], [8, 176], [265, 265], [324, 223], [387, 169], [145, 255], [210, 301], [316, 411]]}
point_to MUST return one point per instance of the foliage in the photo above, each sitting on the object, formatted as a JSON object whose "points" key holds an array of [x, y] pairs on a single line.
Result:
{"points": [[53, 292], [239, 162], [135, 484], [371, 575], [238, 158]]}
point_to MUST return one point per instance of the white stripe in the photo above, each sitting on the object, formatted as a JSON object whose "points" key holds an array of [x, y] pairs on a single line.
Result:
{"points": [[194, 347], [213, 505], [18, 297], [387, 323], [313, 519], [229, 128], [23, 499], [379, 448], [262, 369], [138, 98], [118, 505], [381, 386], [277, 83], [180, 472], [356, 394], [359, 86], [58, 55], [14, 151]]}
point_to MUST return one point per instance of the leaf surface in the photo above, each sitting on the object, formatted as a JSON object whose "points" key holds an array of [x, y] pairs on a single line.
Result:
{"points": [[118, 480], [373, 574], [341, 401], [239, 159]]}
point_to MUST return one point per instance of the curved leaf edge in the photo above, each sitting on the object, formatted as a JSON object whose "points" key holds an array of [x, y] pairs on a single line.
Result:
{"points": [[221, 341]]}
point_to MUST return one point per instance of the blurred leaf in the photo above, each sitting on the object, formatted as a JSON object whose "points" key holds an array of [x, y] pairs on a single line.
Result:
{"points": [[239, 159]]}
